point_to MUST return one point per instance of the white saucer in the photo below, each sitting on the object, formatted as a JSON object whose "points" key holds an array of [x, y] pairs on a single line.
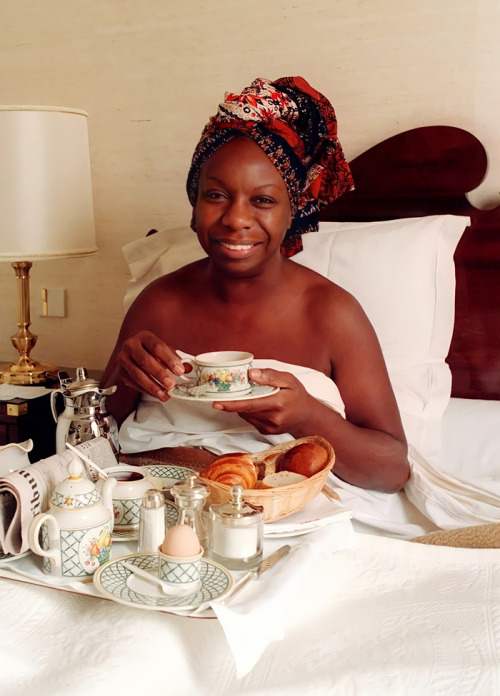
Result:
{"points": [[168, 474], [116, 582], [125, 534], [258, 391]]}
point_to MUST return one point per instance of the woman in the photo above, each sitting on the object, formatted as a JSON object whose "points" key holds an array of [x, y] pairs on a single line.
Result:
{"points": [[264, 164]]}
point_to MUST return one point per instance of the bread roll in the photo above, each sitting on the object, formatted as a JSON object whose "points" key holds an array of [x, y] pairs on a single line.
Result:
{"points": [[307, 459], [281, 478], [236, 468]]}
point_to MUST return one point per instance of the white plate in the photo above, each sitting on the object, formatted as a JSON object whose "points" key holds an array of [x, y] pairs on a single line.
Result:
{"points": [[316, 514], [167, 474], [172, 514], [258, 391], [116, 582]]}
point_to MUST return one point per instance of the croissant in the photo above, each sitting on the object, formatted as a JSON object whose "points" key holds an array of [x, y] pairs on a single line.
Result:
{"points": [[232, 469]]}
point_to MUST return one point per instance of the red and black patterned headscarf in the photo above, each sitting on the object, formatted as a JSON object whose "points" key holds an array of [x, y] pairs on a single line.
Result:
{"points": [[296, 127]]}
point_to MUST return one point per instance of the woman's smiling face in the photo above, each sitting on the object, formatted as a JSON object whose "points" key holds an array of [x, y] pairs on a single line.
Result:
{"points": [[242, 210]]}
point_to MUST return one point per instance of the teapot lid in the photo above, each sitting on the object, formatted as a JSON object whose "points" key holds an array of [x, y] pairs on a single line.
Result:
{"points": [[76, 491]]}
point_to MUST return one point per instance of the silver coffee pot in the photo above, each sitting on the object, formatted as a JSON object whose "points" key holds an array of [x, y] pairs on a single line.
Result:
{"points": [[85, 415]]}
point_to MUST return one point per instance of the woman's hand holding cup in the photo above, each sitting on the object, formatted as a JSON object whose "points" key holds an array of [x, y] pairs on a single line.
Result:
{"points": [[149, 365]]}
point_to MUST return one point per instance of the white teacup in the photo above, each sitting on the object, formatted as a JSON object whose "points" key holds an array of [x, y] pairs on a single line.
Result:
{"points": [[221, 373]]}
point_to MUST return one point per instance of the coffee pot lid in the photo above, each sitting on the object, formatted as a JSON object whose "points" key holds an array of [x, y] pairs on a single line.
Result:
{"points": [[76, 491], [81, 384]]}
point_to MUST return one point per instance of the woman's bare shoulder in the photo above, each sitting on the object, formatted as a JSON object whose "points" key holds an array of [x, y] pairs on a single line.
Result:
{"points": [[318, 287], [330, 305], [165, 293]]}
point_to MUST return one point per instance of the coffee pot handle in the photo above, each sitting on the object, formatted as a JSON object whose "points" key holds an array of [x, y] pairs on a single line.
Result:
{"points": [[53, 553], [53, 397]]}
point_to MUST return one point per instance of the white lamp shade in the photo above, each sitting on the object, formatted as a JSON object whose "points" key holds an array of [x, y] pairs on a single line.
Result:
{"points": [[46, 208]]}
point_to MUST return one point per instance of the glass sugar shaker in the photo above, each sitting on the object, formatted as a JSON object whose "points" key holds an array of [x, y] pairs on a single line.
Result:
{"points": [[151, 521], [236, 532], [190, 496]]}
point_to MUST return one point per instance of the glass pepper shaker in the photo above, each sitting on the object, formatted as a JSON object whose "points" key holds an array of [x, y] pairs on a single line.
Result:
{"points": [[190, 496], [236, 532]]}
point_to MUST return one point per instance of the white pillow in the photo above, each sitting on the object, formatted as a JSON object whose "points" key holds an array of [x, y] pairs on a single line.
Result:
{"points": [[402, 273], [159, 253]]}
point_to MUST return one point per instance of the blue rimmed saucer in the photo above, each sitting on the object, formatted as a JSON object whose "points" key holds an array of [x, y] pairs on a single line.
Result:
{"points": [[116, 582]]}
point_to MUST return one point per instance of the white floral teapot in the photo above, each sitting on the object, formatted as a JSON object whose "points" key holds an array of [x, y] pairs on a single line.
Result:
{"points": [[76, 532], [14, 456]]}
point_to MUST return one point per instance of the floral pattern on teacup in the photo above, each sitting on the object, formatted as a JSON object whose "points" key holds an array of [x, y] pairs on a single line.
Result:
{"points": [[225, 380]]}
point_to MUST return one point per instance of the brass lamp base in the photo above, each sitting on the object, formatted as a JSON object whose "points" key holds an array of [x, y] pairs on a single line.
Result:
{"points": [[26, 370], [27, 374]]}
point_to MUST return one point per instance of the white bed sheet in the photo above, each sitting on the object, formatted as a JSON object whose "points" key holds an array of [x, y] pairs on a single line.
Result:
{"points": [[385, 617]]}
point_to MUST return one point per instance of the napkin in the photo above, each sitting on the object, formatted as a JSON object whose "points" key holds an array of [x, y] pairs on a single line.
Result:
{"points": [[254, 618], [319, 512]]}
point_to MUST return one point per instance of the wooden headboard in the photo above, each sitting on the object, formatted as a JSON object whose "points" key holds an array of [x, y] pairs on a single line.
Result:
{"points": [[429, 171]]}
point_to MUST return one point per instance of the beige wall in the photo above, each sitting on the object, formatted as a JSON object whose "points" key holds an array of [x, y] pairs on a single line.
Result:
{"points": [[150, 72]]}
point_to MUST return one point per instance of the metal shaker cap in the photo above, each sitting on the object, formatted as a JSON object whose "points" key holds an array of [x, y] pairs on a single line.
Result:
{"points": [[153, 498], [190, 490]]}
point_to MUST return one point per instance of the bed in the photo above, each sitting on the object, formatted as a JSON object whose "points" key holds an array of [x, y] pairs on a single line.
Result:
{"points": [[380, 614]]}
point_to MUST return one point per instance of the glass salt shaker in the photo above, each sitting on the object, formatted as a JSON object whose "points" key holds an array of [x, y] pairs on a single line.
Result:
{"points": [[190, 496], [236, 532]]}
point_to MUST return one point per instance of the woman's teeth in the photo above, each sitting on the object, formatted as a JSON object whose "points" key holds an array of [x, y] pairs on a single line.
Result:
{"points": [[236, 247]]}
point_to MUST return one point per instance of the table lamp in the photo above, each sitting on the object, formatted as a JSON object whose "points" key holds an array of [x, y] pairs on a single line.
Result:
{"points": [[46, 208]]}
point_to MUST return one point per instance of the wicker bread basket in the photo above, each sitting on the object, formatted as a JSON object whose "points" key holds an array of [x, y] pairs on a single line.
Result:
{"points": [[278, 502]]}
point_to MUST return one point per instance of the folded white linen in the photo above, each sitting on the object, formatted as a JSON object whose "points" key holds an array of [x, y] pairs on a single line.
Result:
{"points": [[452, 502], [254, 618], [432, 500], [196, 424], [26, 492]]}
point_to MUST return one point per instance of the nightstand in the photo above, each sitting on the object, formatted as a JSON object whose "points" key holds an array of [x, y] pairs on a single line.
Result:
{"points": [[22, 419]]}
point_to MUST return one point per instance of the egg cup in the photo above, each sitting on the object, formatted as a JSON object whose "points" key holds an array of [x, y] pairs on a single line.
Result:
{"points": [[182, 575]]}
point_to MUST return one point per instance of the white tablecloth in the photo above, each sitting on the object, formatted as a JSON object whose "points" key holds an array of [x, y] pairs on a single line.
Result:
{"points": [[385, 617]]}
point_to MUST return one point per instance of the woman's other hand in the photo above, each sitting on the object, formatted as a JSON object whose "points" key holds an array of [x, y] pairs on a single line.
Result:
{"points": [[282, 412]]}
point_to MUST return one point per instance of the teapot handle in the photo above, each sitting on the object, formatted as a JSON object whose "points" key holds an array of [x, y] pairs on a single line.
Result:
{"points": [[53, 397], [54, 551]]}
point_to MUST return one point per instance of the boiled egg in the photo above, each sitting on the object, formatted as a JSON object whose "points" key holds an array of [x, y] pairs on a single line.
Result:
{"points": [[181, 541]]}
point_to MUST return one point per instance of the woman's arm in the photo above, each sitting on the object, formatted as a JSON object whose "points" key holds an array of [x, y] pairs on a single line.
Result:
{"points": [[141, 362], [370, 444]]}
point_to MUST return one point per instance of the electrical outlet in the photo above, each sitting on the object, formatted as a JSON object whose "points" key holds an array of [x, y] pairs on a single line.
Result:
{"points": [[53, 302]]}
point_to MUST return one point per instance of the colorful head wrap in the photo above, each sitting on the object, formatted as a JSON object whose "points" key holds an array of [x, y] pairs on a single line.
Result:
{"points": [[296, 127]]}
